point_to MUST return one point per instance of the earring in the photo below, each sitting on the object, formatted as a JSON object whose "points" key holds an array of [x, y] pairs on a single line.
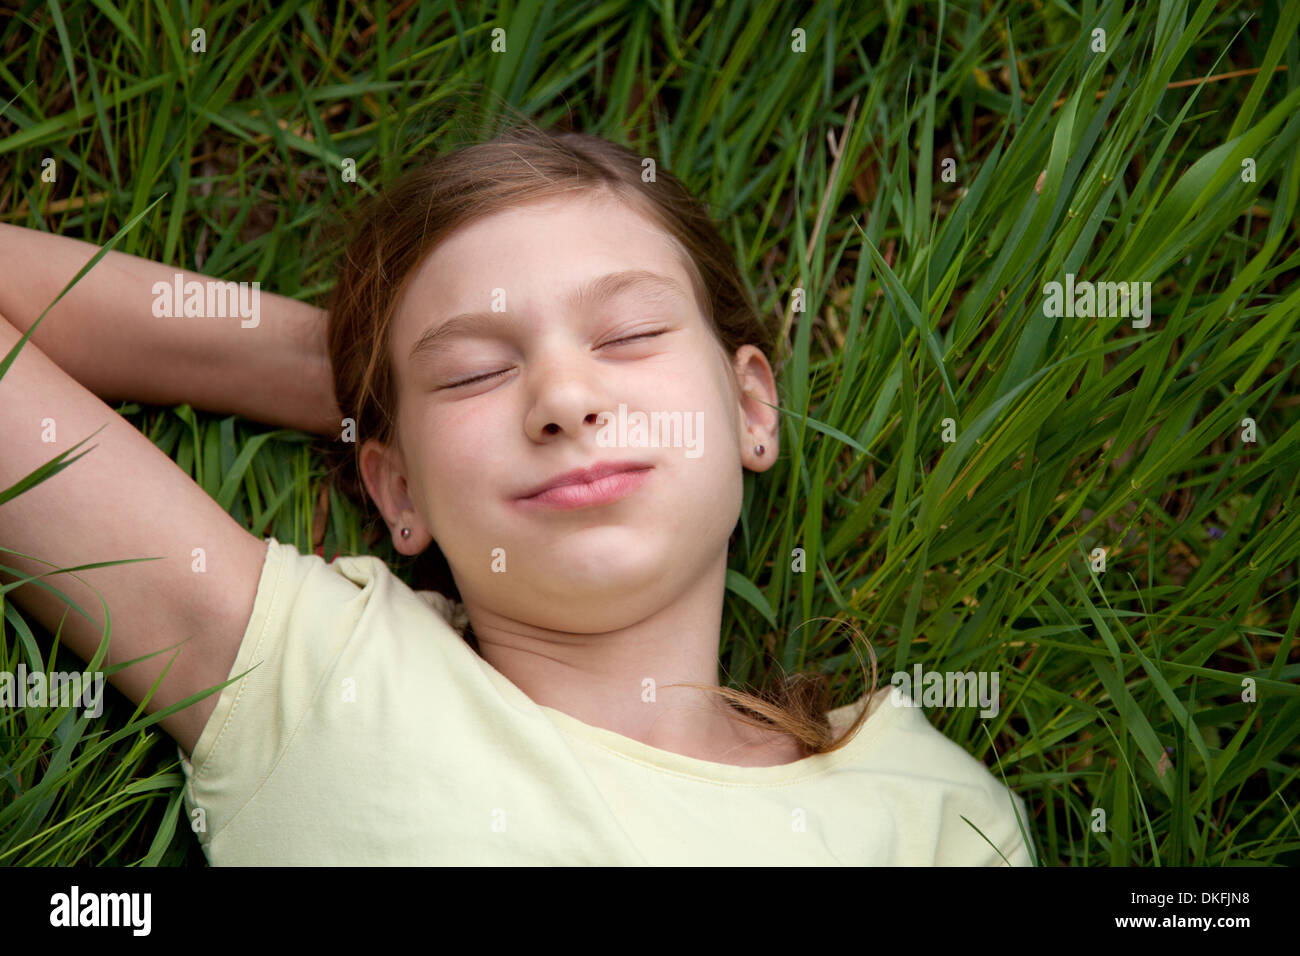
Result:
{"points": [[406, 532], [759, 449]]}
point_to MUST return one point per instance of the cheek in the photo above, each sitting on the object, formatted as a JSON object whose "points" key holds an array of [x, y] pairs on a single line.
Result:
{"points": [[462, 467], [719, 413], [454, 435]]}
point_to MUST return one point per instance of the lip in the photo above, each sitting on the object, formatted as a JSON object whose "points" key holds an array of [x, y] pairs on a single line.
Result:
{"points": [[601, 483]]}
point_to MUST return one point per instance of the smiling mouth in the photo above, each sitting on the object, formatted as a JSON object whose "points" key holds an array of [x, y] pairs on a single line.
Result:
{"points": [[603, 490]]}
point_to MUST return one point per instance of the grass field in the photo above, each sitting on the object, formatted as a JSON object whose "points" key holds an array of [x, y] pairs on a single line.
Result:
{"points": [[1102, 509]]}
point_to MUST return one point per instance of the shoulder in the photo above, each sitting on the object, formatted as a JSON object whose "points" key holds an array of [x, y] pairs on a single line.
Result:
{"points": [[315, 675], [367, 571], [309, 618], [370, 573], [962, 811]]}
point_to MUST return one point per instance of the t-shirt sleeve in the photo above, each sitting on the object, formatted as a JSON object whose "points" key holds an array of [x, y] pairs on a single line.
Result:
{"points": [[981, 828], [983, 822], [963, 814], [305, 615], [228, 755]]}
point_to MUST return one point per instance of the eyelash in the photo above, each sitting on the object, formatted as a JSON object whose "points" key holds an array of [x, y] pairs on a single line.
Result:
{"points": [[489, 375]]}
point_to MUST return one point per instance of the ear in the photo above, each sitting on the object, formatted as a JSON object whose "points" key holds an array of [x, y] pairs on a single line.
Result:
{"points": [[757, 423], [384, 473]]}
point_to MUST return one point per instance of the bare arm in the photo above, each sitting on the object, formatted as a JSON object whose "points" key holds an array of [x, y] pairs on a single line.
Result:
{"points": [[105, 335], [121, 499]]}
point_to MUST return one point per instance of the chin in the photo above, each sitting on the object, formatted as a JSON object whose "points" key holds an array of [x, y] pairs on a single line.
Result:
{"points": [[580, 567]]}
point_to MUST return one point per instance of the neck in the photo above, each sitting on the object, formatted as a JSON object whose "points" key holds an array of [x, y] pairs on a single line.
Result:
{"points": [[618, 679]]}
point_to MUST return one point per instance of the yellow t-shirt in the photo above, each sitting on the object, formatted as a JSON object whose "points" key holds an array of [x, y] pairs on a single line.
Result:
{"points": [[370, 733]]}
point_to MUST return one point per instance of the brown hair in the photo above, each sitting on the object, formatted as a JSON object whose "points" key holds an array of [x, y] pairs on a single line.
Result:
{"points": [[396, 230]]}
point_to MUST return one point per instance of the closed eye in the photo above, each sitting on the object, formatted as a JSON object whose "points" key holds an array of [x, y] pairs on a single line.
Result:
{"points": [[489, 375], [633, 338], [477, 378]]}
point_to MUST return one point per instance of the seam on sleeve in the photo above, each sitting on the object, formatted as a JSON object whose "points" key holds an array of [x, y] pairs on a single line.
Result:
{"points": [[265, 605], [371, 584]]}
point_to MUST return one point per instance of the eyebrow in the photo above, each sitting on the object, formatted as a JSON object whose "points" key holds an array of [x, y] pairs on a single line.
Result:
{"points": [[652, 286]]}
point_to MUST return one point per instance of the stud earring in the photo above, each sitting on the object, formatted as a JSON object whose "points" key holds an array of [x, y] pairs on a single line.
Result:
{"points": [[759, 449], [406, 532]]}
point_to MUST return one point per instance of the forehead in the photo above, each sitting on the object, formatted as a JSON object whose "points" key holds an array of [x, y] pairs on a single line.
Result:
{"points": [[538, 254]]}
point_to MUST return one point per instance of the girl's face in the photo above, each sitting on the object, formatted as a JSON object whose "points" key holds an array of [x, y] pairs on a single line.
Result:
{"points": [[523, 390]]}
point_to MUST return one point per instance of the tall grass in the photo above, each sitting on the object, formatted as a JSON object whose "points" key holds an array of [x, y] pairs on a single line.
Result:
{"points": [[952, 457]]}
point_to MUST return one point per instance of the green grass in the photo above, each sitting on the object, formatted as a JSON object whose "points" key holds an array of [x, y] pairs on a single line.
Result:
{"points": [[1123, 688]]}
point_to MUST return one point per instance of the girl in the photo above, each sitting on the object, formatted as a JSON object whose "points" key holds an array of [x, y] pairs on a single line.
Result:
{"points": [[557, 701]]}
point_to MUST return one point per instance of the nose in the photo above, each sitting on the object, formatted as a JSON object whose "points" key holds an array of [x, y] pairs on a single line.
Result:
{"points": [[567, 393]]}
